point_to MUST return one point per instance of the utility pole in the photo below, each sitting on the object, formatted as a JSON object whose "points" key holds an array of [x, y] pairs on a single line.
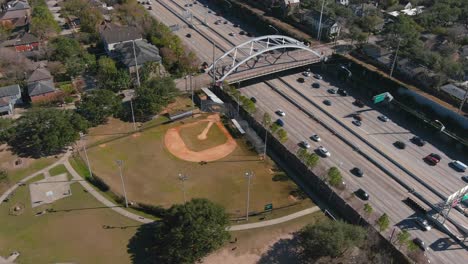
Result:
{"points": [[319, 31], [214, 68], [120, 164], [138, 83], [191, 89], [82, 136], [238, 97], [396, 55], [249, 176], [133, 115], [183, 178]]}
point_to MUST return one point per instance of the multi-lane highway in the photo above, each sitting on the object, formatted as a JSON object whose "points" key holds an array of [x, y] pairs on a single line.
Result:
{"points": [[386, 195]]}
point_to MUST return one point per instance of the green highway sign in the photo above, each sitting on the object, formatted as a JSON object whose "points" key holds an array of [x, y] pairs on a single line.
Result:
{"points": [[465, 197], [268, 207], [379, 98]]}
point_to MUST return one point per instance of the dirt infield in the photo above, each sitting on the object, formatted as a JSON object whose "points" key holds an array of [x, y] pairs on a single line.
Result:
{"points": [[176, 145]]}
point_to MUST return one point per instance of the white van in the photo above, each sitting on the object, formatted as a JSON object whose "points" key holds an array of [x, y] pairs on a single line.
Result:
{"points": [[459, 166]]}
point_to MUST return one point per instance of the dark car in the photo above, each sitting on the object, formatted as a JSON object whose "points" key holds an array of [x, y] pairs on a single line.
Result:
{"points": [[188, 35], [400, 144], [300, 80], [358, 103], [280, 122], [357, 123], [420, 244], [316, 85], [235, 25], [253, 99], [418, 141], [150, 8], [249, 34], [242, 32], [357, 171], [432, 159], [362, 194], [465, 178], [342, 92], [225, 22], [357, 117], [327, 102]]}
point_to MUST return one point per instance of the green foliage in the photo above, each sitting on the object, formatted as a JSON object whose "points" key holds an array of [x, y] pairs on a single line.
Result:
{"points": [[383, 222], [407, 30], [150, 70], [411, 246], [280, 177], [274, 127], [111, 78], [3, 176], [282, 135], [266, 119], [189, 232], [43, 23], [98, 105], [301, 153], [70, 52], [311, 160], [334, 176], [90, 17], [368, 208], [46, 131], [247, 104], [152, 96], [5, 131], [402, 237], [329, 238]]}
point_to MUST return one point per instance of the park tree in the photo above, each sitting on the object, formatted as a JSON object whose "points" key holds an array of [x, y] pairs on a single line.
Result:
{"points": [[282, 135], [111, 78], [72, 55], [43, 23], [152, 96], [383, 222], [189, 232], [334, 176], [329, 238], [98, 105], [46, 131]]}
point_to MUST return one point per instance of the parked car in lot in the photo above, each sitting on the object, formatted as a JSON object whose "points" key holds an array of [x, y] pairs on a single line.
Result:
{"points": [[362, 194], [400, 144], [342, 92], [432, 159], [331, 91], [280, 122], [327, 102], [423, 223], [358, 103], [316, 138], [323, 151], [458, 165], [357, 123], [316, 85], [420, 244], [418, 141], [357, 171], [305, 144], [382, 118], [280, 112], [318, 76]]}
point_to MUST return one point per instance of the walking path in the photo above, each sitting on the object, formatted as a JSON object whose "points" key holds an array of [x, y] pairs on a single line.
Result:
{"points": [[275, 221]]}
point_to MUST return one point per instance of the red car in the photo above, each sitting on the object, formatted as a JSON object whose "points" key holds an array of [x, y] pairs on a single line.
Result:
{"points": [[432, 159]]}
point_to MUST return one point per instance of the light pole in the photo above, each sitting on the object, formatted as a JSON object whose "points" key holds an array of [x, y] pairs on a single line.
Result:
{"points": [[238, 97], [191, 89], [229, 3], [396, 55], [133, 114], [319, 31], [82, 137], [120, 164], [214, 66], [183, 178], [442, 127], [276, 30], [249, 176]]}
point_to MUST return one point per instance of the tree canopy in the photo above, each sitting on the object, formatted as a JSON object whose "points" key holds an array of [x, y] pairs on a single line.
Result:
{"points": [[111, 78], [70, 52], [329, 238], [152, 96], [189, 232], [46, 131], [98, 105], [43, 23]]}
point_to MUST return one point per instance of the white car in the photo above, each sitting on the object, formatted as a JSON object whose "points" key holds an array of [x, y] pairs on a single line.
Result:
{"points": [[232, 34], [305, 144], [315, 138], [383, 118], [280, 112], [306, 73], [423, 223], [318, 76], [323, 151]]}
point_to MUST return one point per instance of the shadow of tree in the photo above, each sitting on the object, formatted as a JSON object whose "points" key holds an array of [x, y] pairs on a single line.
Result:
{"points": [[139, 246], [282, 252]]}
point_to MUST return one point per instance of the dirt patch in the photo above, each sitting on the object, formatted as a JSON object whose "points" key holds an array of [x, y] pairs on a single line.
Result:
{"points": [[136, 135], [102, 145], [176, 145], [203, 134]]}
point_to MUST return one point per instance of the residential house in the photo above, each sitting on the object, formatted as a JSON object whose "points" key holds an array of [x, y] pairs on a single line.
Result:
{"points": [[15, 14], [23, 42], [330, 28], [140, 49], [41, 74], [289, 6], [9, 97], [377, 53], [343, 2], [113, 34], [464, 51], [455, 91], [407, 10], [41, 86]]}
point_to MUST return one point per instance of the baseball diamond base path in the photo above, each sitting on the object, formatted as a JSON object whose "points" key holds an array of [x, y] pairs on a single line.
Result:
{"points": [[176, 145]]}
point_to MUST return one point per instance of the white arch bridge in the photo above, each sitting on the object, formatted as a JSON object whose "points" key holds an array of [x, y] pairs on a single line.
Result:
{"points": [[261, 56]]}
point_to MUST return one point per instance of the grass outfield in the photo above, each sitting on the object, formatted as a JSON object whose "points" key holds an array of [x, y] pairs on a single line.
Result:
{"points": [[151, 174], [73, 234], [215, 136]]}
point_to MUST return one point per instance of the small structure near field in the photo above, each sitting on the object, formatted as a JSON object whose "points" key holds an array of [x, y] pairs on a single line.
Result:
{"points": [[49, 190]]}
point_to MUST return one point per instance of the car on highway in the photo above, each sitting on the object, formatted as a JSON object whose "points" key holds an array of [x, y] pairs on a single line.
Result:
{"points": [[217, 22], [316, 138], [232, 34], [423, 223], [327, 102], [465, 178], [242, 32], [357, 117], [150, 8], [332, 91], [307, 73], [400, 144], [342, 92], [357, 171], [458, 165], [418, 141], [316, 85], [225, 22], [323, 151], [300, 80], [420, 244], [249, 34], [357, 123], [253, 99], [188, 35], [318, 76], [362, 194], [280, 122], [358, 103], [305, 144], [383, 118], [235, 25], [280, 112], [432, 159]]}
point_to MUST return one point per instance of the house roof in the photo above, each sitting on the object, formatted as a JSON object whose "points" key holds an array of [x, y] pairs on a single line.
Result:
{"points": [[112, 33], [464, 51], [10, 90], [326, 20], [454, 91], [291, 2], [17, 5], [144, 52], [40, 74], [12, 14], [41, 87], [4, 102], [21, 39]]}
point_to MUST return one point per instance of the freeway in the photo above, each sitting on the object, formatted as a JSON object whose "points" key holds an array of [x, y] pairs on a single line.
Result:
{"points": [[386, 194]]}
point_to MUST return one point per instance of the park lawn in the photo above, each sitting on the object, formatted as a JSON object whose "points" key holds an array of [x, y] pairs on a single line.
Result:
{"points": [[57, 170], [151, 174], [215, 136], [73, 234]]}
